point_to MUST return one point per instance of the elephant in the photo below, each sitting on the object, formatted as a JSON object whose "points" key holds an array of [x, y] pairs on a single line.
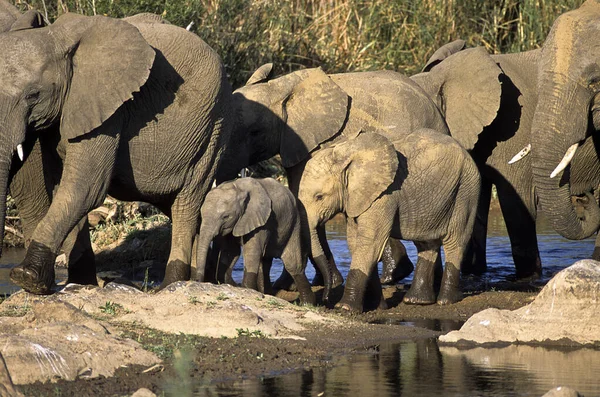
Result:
{"points": [[493, 129], [135, 109], [385, 189], [564, 142], [300, 113], [488, 102], [261, 216]]}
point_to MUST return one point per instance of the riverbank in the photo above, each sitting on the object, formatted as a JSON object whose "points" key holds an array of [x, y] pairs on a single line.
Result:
{"points": [[188, 360]]}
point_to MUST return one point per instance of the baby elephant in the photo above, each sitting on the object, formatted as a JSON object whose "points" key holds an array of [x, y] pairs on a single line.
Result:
{"points": [[261, 216], [423, 188]]}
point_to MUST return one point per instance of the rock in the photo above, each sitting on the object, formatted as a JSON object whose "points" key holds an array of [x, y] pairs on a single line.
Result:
{"points": [[7, 388], [57, 340], [562, 392], [565, 312], [143, 392]]}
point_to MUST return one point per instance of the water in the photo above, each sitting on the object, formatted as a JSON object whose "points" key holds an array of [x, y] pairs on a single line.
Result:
{"points": [[422, 367]]}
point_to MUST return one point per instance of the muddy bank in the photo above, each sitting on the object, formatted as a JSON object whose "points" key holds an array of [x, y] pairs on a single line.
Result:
{"points": [[253, 334]]}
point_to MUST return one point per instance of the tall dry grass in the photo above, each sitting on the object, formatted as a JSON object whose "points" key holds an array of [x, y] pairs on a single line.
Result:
{"points": [[339, 35]]}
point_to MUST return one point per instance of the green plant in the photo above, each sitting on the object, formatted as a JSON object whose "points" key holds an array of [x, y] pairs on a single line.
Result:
{"points": [[112, 308], [250, 334], [222, 296], [275, 302]]}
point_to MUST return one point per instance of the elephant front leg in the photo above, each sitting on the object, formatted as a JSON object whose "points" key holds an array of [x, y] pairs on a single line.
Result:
{"points": [[366, 239], [253, 250], [421, 291], [295, 263], [83, 187]]}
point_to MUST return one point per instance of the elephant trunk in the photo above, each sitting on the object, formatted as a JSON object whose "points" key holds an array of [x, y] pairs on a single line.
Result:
{"points": [[5, 163], [205, 237], [559, 125], [317, 253]]}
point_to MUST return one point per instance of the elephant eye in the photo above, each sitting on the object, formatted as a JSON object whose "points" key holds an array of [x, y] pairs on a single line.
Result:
{"points": [[318, 197]]}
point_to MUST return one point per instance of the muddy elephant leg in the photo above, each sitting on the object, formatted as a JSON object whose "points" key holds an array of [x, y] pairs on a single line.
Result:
{"points": [[83, 187], [475, 261], [366, 244], [374, 293], [295, 263], [421, 291], [454, 247], [396, 265], [519, 215]]}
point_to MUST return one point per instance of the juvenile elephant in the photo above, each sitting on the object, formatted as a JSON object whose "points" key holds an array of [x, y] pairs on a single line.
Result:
{"points": [[299, 114], [261, 216], [423, 188], [112, 104]]}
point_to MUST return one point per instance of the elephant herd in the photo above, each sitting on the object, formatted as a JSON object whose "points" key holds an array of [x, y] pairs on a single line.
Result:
{"points": [[142, 110]]}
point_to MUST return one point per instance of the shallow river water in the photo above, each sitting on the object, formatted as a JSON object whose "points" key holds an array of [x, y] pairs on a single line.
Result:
{"points": [[423, 368]]}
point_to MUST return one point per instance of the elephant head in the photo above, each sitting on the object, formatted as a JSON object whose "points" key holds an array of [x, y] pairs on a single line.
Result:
{"points": [[348, 178], [290, 116], [466, 87], [236, 207], [567, 112], [68, 77]]}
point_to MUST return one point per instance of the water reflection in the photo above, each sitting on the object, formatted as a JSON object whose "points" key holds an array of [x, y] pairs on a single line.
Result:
{"points": [[422, 368]]}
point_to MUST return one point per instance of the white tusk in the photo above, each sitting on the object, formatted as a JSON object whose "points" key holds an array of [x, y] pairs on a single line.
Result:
{"points": [[20, 151], [190, 26], [566, 160], [524, 152]]}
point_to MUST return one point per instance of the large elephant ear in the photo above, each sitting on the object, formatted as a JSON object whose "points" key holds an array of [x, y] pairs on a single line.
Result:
{"points": [[262, 74], [110, 60], [444, 52], [466, 86], [32, 19], [258, 206], [315, 111], [370, 163]]}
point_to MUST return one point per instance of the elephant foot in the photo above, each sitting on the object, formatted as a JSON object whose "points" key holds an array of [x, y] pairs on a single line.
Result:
{"points": [[419, 296], [450, 289], [307, 296], [347, 307], [596, 254], [176, 271], [36, 273], [528, 268], [285, 282]]}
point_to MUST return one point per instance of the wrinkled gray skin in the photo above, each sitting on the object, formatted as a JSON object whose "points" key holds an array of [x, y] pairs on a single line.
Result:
{"points": [[298, 114], [568, 113], [489, 102], [383, 193], [33, 180], [261, 216], [109, 94]]}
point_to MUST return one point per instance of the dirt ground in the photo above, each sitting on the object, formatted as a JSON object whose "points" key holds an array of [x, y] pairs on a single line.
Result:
{"points": [[193, 359]]}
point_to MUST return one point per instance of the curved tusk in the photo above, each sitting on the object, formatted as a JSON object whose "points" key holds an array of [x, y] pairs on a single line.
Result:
{"points": [[566, 160], [524, 152], [20, 151]]}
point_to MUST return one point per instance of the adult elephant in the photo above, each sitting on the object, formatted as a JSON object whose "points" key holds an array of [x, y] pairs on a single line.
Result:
{"points": [[300, 113], [564, 139], [135, 109], [493, 129]]}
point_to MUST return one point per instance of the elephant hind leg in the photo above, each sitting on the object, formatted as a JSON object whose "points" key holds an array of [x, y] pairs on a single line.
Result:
{"points": [[421, 291], [396, 263], [294, 262]]}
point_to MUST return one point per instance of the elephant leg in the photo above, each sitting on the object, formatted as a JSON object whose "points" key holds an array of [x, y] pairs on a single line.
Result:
{"points": [[227, 258], [421, 291], [519, 215], [450, 289], [336, 277], [81, 260], [374, 293], [366, 240], [83, 187], [596, 254], [253, 251], [295, 263], [264, 276], [396, 263], [475, 259]]}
